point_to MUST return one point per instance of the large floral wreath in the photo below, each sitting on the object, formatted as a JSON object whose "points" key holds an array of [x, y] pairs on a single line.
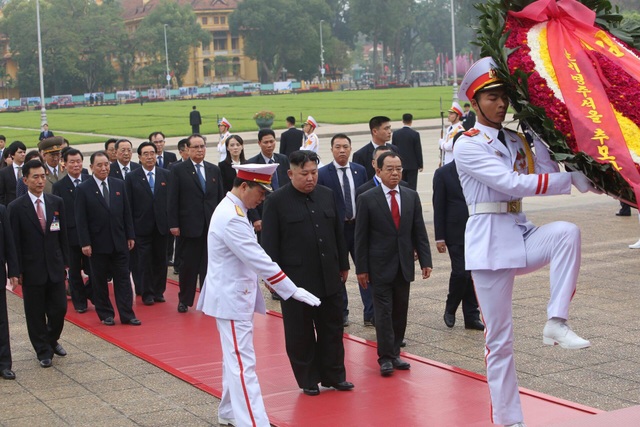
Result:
{"points": [[573, 82]]}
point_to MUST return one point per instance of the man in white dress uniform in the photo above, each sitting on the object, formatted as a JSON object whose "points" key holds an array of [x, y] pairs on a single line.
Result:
{"points": [[231, 293], [497, 168]]}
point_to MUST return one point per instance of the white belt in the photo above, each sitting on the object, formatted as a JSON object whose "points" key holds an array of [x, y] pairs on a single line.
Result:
{"points": [[514, 206]]}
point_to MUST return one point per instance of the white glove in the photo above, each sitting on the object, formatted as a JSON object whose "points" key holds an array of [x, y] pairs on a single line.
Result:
{"points": [[581, 182], [306, 297]]}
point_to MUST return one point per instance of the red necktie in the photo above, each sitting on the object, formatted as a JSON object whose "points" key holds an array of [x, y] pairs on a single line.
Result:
{"points": [[395, 209], [40, 213]]}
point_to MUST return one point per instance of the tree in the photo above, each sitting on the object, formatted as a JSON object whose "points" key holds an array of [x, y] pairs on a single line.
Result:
{"points": [[183, 33], [267, 28], [78, 40]]}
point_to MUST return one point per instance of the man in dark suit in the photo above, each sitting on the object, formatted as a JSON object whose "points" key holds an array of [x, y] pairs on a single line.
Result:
{"points": [[195, 191], [164, 159], [195, 120], [343, 178], [8, 258], [40, 237], [390, 231], [468, 117], [123, 165], [147, 189], [105, 233], [10, 185], [65, 188], [46, 133], [291, 139], [303, 235], [410, 149], [380, 127], [267, 143], [450, 214]]}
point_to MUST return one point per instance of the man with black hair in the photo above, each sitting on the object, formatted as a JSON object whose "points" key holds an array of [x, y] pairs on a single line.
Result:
{"points": [[38, 223], [410, 149], [290, 139], [11, 183], [390, 234], [380, 127], [164, 159], [195, 120], [123, 164], [110, 148], [147, 190], [235, 258], [303, 235], [65, 188]]}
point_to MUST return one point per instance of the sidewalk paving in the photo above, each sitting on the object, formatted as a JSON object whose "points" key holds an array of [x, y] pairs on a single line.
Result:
{"points": [[100, 384]]}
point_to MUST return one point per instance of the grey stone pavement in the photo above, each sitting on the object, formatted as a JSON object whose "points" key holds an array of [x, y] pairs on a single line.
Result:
{"points": [[101, 384]]}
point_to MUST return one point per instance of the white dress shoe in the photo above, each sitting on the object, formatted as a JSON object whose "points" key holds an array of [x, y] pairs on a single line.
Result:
{"points": [[636, 245], [556, 331], [516, 425], [226, 421]]}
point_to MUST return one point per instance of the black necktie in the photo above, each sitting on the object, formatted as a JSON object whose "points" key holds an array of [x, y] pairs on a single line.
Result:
{"points": [[274, 178], [105, 192], [76, 182], [501, 138], [346, 190]]}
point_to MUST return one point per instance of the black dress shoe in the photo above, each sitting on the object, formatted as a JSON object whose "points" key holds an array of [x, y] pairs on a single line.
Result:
{"points": [[474, 324], [182, 308], [8, 374], [341, 386], [449, 319], [58, 350], [311, 391], [159, 299], [133, 322], [148, 301], [403, 343], [81, 310], [109, 321], [276, 297], [46, 363], [386, 369], [170, 263], [621, 213], [401, 365]]}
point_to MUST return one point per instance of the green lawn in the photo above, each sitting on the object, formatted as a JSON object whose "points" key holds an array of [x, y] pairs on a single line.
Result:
{"points": [[173, 117]]}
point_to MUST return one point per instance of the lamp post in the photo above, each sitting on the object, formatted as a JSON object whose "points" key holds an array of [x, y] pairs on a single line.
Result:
{"points": [[166, 58], [321, 51], [43, 110], [453, 58]]}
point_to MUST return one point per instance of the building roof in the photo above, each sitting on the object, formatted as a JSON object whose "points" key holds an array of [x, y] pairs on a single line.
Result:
{"points": [[138, 9]]}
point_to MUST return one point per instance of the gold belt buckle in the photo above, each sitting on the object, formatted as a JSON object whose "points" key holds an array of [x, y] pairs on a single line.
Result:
{"points": [[514, 206]]}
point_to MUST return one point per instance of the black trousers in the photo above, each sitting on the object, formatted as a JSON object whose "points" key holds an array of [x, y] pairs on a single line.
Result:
{"points": [[461, 286], [44, 308], [365, 294], [5, 345], [193, 265], [117, 264], [313, 337], [152, 264], [170, 244], [195, 129], [390, 306], [411, 177], [80, 292]]}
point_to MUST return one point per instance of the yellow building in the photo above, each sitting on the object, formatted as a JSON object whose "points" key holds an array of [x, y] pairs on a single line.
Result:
{"points": [[223, 60], [8, 70]]}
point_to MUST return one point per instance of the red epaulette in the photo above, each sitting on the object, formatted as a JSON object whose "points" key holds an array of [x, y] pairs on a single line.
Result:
{"points": [[471, 132]]}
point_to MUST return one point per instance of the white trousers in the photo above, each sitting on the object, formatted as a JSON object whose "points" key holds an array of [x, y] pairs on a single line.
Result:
{"points": [[557, 244], [241, 396]]}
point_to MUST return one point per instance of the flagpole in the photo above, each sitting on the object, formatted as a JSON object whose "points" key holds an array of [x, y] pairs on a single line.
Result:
{"points": [[453, 58]]}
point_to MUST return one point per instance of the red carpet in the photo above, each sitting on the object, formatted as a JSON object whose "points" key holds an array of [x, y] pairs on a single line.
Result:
{"points": [[430, 394]]}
